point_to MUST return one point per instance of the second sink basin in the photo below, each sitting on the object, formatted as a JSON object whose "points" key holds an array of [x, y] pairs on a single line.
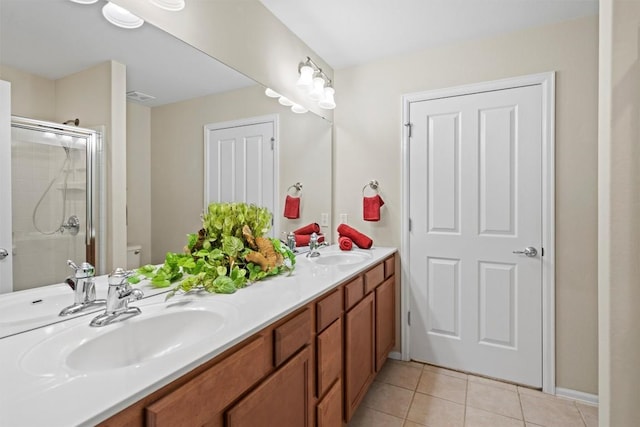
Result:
{"points": [[341, 258]]}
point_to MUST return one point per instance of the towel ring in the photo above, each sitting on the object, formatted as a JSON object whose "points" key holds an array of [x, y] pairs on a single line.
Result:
{"points": [[297, 187], [373, 184]]}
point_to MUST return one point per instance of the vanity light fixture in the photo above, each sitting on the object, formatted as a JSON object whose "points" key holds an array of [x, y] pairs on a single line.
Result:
{"points": [[271, 93], [285, 101], [170, 5], [316, 84], [121, 17], [85, 1], [298, 109]]}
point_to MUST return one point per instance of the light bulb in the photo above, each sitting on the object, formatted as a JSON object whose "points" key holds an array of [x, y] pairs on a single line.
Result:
{"points": [[271, 93], [171, 5], [305, 81], [298, 109], [121, 17], [85, 1], [285, 101], [328, 103], [317, 93]]}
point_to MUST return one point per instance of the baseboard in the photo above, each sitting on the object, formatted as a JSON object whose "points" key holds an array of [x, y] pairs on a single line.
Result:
{"points": [[589, 398], [395, 355]]}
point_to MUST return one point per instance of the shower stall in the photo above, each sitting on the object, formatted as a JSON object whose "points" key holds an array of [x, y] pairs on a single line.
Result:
{"points": [[55, 182]]}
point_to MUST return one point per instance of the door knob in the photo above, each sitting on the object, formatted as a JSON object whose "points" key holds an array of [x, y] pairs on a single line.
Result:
{"points": [[3, 253], [529, 251]]}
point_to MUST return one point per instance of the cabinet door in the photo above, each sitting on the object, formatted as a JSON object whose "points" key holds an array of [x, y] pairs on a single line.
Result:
{"points": [[330, 407], [359, 353], [385, 320], [329, 356], [282, 400]]}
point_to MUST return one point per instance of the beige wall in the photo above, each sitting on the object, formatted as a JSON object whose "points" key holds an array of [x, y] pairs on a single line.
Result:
{"points": [[139, 178], [177, 151], [32, 96], [242, 34], [619, 232], [368, 126]]}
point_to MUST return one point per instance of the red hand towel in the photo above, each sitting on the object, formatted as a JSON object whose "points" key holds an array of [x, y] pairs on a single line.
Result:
{"points": [[303, 239], [371, 208], [292, 207], [345, 243], [361, 240], [308, 229]]}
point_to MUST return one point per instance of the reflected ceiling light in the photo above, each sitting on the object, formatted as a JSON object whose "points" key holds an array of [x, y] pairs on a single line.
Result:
{"points": [[171, 5], [271, 93], [285, 101], [298, 109], [121, 17], [328, 103], [317, 93], [85, 1]]}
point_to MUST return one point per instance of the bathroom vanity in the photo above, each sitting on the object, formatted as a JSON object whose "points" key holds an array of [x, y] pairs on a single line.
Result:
{"points": [[297, 350]]}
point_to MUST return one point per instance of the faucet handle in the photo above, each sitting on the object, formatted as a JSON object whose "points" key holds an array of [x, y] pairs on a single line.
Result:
{"points": [[84, 270], [118, 277]]}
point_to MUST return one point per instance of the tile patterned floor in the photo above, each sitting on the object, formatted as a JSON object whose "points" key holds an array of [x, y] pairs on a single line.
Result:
{"points": [[410, 394]]}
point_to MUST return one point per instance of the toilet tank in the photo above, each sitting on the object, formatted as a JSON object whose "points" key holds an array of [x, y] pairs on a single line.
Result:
{"points": [[133, 256]]}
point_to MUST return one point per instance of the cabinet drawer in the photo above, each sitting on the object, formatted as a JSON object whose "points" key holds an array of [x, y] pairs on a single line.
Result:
{"points": [[329, 410], [226, 381], [329, 362], [353, 292], [328, 309], [389, 267], [373, 278], [291, 336]]}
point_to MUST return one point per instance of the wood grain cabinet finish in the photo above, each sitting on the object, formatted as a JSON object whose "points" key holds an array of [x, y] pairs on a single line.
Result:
{"points": [[385, 320], [373, 277], [201, 400], [353, 292], [329, 356], [389, 266], [329, 410], [282, 400], [291, 336], [359, 353], [328, 309]]}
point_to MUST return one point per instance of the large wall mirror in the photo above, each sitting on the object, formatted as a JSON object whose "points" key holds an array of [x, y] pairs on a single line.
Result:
{"points": [[52, 49]]}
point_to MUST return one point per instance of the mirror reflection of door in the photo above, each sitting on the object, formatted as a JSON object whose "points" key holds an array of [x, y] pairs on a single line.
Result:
{"points": [[240, 163]]}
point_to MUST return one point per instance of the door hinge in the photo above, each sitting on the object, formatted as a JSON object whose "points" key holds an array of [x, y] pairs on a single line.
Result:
{"points": [[409, 127], [541, 251], [410, 224], [273, 140], [409, 318]]}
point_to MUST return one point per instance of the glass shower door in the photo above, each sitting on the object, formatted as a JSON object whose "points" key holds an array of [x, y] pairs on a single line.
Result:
{"points": [[52, 181]]}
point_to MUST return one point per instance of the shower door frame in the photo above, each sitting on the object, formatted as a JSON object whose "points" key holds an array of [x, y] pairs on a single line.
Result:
{"points": [[93, 176]]}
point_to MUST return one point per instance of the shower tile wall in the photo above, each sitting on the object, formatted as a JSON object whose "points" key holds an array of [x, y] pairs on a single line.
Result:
{"points": [[39, 258]]}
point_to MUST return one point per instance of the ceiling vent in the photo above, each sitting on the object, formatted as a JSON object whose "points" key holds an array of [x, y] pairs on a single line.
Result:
{"points": [[134, 95]]}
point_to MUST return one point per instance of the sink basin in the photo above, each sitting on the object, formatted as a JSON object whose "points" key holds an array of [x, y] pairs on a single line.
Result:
{"points": [[156, 333], [341, 258]]}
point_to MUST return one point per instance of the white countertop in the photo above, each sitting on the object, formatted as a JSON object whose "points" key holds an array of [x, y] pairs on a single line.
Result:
{"points": [[36, 391]]}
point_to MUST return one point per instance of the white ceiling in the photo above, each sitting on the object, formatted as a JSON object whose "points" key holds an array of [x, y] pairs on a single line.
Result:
{"points": [[350, 32]]}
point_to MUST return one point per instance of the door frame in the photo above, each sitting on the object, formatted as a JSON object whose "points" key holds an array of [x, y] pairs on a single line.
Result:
{"points": [[269, 118], [547, 83], [6, 240]]}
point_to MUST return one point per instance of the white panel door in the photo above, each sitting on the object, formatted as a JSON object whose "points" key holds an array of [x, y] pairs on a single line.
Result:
{"points": [[475, 198], [240, 164], [6, 263]]}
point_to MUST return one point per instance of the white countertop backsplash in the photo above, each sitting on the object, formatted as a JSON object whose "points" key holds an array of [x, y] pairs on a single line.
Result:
{"points": [[55, 395]]}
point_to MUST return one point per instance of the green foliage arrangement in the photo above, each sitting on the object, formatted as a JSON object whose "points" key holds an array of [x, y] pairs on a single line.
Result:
{"points": [[225, 255]]}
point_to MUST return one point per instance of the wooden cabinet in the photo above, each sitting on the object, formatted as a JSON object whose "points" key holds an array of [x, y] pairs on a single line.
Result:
{"points": [[282, 400], [359, 353], [311, 368], [385, 320]]}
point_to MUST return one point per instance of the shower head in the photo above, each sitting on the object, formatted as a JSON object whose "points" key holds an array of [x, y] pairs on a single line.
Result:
{"points": [[75, 122]]}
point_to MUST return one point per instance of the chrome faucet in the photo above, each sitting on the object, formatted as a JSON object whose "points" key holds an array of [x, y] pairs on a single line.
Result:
{"points": [[291, 241], [118, 297], [84, 289], [313, 246]]}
